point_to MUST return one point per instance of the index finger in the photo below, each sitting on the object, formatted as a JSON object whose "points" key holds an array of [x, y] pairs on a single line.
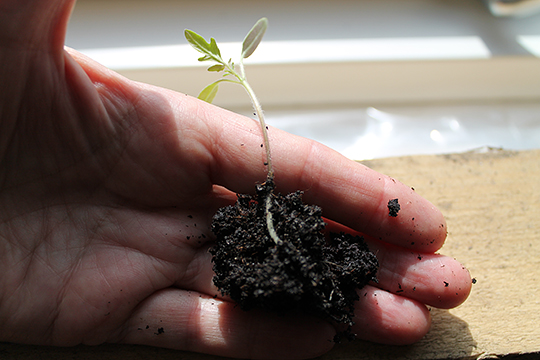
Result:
{"points": [[348, 192], [358, 197]]}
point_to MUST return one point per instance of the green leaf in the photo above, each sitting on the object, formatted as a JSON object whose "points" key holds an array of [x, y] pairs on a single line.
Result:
{"points": [[209, 93], [216, 68], [214, 47], [254, 37], [209, 50], [197, 41]]}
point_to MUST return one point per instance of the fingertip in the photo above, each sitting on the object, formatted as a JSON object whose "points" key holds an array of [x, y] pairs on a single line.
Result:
{"points": [[456, 285], [419, 225], [386, 318], [433, 279], [440, 281]]}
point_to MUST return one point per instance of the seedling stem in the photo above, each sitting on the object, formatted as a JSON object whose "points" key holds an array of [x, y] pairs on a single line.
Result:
{"points": [[260, 115], [211, 52]]}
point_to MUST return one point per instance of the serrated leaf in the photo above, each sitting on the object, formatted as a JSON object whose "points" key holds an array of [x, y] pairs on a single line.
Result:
{"points": [[216, 68], [209, 93], [254, 37], [197, 41], [209, 49]]}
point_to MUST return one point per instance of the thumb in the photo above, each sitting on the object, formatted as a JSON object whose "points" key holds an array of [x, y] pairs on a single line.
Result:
{"points": [[34, 24], [35, 96], [32, 34]]}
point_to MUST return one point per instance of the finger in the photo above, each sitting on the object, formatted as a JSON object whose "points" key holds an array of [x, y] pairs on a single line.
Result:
{"points": [[432, 279], [358, 197], [189, 321], [348, 192], [387, 318], [380, 316]]}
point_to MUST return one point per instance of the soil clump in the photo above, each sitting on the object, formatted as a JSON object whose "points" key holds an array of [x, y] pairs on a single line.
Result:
{"points": [[303, 271]]}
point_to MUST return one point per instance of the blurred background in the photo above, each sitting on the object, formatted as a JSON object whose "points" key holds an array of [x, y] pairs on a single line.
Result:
{"points": [[368, 78]]}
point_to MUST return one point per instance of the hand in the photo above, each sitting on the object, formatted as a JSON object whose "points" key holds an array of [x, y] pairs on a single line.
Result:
{"points": [[107, 188]]}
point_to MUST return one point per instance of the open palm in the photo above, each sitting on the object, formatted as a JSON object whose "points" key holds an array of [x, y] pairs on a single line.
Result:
{"points": [[107, 189]]}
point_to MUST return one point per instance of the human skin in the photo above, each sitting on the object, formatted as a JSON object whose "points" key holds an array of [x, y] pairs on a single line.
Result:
{"points": [[107, 189]]}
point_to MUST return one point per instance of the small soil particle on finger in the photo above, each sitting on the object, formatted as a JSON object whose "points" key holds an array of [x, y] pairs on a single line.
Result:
{"points": [[393, 207]]}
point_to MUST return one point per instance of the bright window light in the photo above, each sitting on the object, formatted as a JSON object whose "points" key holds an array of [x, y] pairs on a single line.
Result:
{"points": [[530, 43], [287, 52]]}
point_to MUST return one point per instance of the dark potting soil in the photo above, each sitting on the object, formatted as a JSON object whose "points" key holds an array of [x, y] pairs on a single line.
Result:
{"points": [[393, 207], [304, 271]]}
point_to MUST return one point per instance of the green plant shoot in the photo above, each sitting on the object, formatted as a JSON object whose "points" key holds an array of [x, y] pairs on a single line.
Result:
{"points": [[211, 52]]}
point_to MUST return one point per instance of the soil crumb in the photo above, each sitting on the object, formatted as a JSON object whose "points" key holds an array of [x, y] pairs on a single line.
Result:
{"points": [[393, 207]]}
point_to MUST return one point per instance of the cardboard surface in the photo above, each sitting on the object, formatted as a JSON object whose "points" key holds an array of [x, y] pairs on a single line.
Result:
{"points": [[491, 200]]}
